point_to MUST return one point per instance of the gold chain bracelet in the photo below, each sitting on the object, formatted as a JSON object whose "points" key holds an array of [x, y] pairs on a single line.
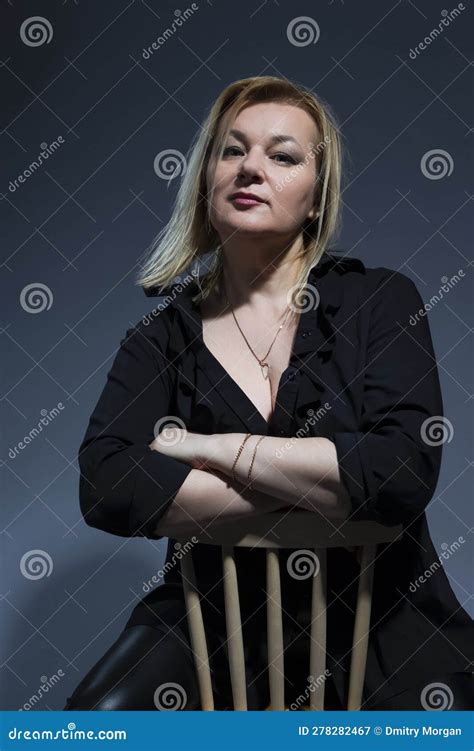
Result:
{"points": [[239, 453], [253, 457]]}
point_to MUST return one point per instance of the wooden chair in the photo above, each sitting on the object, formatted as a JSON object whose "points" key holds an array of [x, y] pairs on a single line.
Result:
{"points": [[298, 529]]}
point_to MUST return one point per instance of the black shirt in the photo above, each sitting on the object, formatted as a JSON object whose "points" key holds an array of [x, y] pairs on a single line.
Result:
{"points": [[363, 360]]}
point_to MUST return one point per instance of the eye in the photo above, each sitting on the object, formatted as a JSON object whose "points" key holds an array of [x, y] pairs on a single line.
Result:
{"points": [[289, 159], [287, 156], [229, 148]]}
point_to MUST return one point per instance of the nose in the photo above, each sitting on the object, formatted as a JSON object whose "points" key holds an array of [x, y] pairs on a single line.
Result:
{"points": [[251, 165]]}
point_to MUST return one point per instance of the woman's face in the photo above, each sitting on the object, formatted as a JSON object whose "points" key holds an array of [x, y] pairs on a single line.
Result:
{"points": [[270, 152]]}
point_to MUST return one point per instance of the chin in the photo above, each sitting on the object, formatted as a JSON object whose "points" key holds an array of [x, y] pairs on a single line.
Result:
{"points": [[247, 226]]}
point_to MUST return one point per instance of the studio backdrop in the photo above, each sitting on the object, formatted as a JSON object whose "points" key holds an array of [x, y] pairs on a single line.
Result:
{"points": [[100, 103]]}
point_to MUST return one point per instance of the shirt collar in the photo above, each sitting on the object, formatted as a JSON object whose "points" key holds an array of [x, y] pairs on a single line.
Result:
{"points": [[316, 330]]}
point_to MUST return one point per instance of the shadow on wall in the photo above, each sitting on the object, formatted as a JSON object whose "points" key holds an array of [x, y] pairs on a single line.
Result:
{"points": [[60, 629]]}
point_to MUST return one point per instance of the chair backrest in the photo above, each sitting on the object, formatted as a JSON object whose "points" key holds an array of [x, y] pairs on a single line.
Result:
{"points": [[296, 529]]}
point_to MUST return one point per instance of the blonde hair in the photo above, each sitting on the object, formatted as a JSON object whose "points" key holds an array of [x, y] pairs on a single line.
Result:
{"points": [[189, 234]]}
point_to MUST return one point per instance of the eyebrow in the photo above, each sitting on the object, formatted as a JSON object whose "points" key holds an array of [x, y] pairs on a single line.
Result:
{"points": [[279, 138]]}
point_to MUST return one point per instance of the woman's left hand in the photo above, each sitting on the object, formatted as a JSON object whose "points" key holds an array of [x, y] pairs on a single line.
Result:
{"points": [[183, 445]]}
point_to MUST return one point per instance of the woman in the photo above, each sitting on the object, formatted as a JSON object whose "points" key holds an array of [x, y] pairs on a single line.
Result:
{"points": [[238, 361]]}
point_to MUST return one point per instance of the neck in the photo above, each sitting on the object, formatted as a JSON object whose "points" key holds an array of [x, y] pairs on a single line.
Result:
{"points": [[259, 275]]}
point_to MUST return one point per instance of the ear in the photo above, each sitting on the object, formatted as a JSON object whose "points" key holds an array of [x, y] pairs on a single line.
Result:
{"points": [[313, 214]]}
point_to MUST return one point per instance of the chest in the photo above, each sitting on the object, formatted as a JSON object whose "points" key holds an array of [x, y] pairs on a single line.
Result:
{"points": [[228, 346]]}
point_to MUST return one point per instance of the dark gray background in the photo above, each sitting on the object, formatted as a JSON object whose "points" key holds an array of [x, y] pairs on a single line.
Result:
{"points": [[81, 222]]}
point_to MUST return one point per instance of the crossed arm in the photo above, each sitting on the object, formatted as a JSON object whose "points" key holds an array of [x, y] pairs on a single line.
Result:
{"points": [[389, 460], [297, 472]]}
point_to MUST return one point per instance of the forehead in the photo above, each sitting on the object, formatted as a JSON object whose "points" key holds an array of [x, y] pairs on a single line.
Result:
{"points": [[263, 120]]}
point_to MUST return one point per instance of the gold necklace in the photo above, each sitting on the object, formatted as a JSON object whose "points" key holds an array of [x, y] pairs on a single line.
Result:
{"points": [[261, 361]]}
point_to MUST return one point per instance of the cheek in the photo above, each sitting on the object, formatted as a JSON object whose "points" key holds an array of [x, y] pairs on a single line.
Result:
{"points": [[290, 200], [297, 196], [221, 180]]}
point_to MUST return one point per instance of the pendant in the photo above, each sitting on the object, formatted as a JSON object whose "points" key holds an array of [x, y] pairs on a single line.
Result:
{"points": [[264, 367]]}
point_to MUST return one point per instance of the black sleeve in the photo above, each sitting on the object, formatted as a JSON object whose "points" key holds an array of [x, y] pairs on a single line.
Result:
{"points": [[390, 466], [125, 487]]}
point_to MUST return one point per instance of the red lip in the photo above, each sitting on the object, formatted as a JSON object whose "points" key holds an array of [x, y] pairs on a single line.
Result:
{"points": [[249, 196]]}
